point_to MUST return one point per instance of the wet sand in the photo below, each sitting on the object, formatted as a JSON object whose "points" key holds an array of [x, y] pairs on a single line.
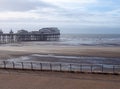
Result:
{"points": [[15, 50], [10, 79]]}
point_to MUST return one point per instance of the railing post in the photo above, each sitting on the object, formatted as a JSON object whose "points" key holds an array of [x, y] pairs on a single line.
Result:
{"points": [[13, 65], [91, 68], [31, 66], [113, 69], [22, 65], [60, 67], [80, 68], [4, 63], [40, 66], [102, 68], [50, 66], [70, 67]]}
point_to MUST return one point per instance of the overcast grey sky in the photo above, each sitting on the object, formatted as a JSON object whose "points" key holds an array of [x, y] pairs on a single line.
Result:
{"points": [[73, 16]]}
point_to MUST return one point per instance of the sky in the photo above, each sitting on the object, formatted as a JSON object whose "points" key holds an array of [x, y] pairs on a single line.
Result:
{"points": [[70, 16]]}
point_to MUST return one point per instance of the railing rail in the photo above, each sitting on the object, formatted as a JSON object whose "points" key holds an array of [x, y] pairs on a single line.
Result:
{"points": [[59, 66]]}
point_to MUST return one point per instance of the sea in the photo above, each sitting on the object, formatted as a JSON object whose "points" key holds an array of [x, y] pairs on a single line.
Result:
{"points": [[90, 39]]}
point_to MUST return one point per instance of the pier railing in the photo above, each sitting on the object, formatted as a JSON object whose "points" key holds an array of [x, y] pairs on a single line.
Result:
{"points": [[62, 67]]}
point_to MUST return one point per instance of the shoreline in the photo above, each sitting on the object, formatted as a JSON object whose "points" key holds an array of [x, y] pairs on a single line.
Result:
{"points": [[8, 51]]}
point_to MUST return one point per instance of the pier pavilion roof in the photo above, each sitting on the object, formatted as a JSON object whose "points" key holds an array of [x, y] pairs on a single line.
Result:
{"points": [[22, 32], [51, 30]]}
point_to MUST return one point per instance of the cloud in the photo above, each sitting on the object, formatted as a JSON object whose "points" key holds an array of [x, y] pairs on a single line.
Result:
{"points": [[22, 5], [70, 12]]}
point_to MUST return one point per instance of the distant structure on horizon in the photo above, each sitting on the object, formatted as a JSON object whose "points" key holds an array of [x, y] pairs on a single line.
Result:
{"points": [[44, 34]]}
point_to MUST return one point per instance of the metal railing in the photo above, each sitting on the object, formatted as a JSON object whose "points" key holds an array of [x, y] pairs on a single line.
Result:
{"points": [[55, 66]]}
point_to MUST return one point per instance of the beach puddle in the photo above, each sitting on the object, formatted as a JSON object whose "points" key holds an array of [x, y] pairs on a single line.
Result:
{"points": [[67, 59]]}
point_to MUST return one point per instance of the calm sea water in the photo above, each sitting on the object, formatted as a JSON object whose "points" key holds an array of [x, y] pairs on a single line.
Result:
{"points": [[91, 39]]}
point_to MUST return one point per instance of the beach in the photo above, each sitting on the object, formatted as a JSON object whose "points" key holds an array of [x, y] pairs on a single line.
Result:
{"points": [[16, 50]]}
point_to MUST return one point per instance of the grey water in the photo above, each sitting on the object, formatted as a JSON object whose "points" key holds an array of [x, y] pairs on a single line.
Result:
{"points": [[111, 40], [91, 39]]}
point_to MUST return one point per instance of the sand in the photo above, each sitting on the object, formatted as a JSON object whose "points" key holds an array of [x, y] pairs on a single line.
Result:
{"points": [[56, 80], [7, 51]]}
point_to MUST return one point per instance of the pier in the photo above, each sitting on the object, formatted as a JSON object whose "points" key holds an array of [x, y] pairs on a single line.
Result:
{"points": [[44, 34]]}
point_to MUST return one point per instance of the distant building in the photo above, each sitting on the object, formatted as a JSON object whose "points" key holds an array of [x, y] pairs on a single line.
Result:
{"points": [[44, 34], [11, 32], [1, 32]]}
